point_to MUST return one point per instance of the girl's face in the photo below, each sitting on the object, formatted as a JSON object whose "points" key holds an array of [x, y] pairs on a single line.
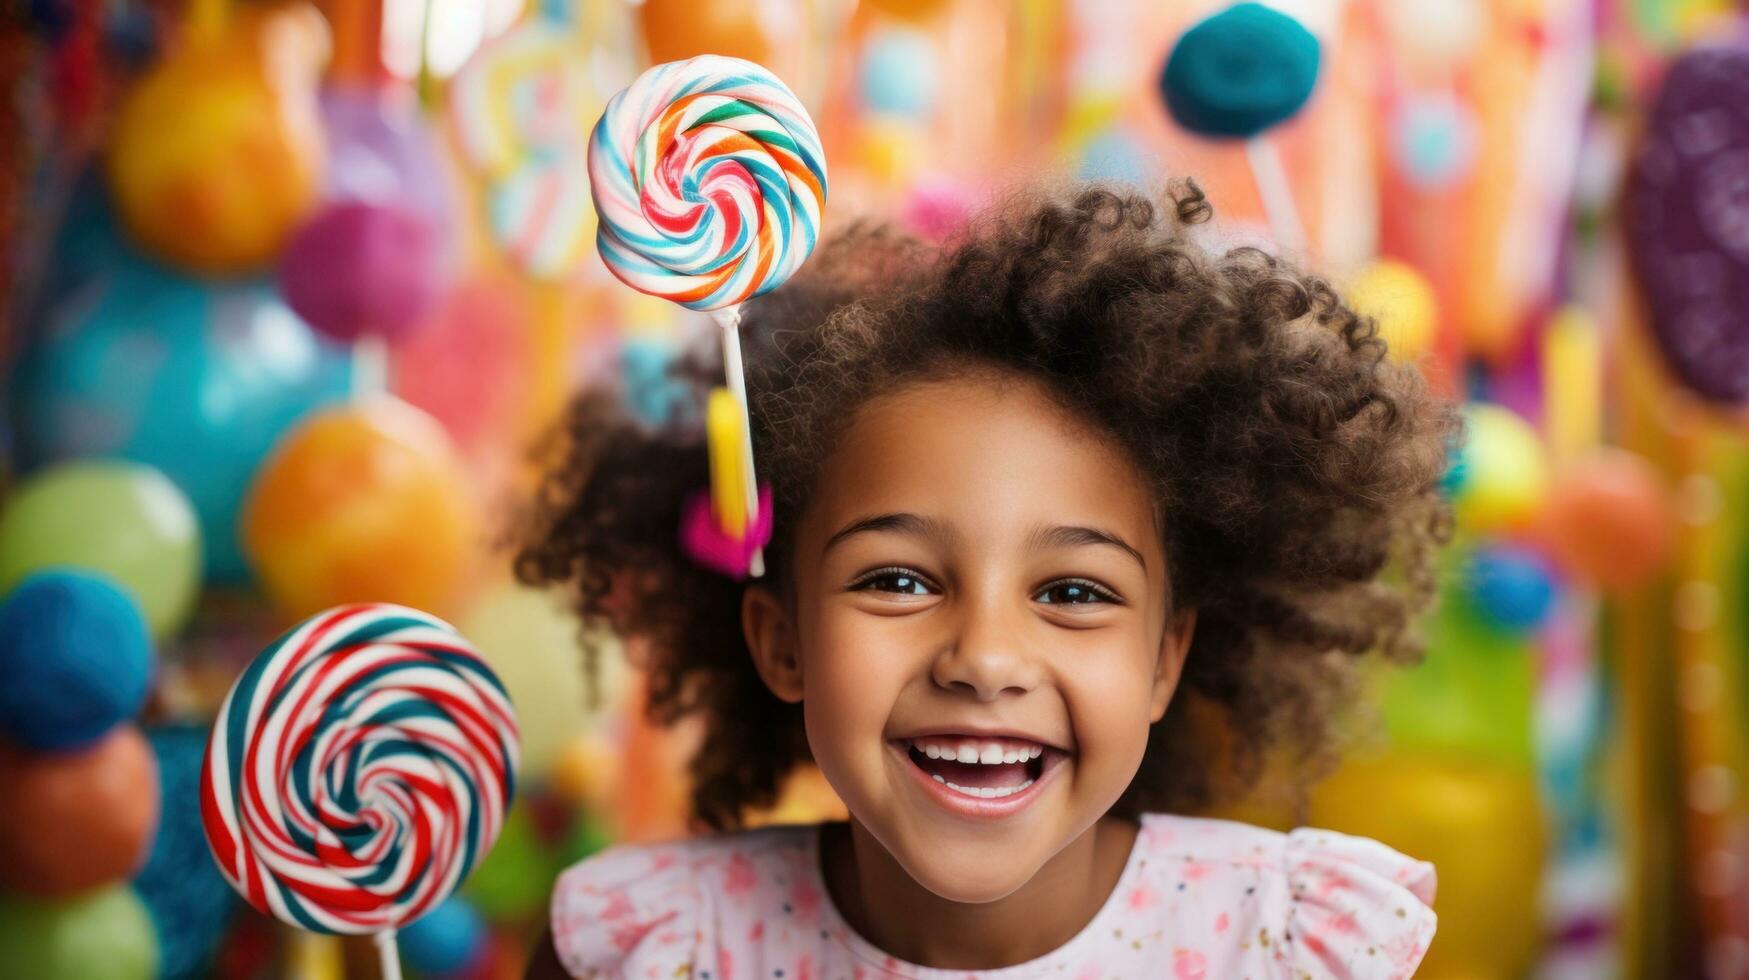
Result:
{"points": [[979, 631]]}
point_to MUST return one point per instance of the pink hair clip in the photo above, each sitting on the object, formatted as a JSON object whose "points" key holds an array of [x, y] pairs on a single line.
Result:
{"points": [[710, 545]]}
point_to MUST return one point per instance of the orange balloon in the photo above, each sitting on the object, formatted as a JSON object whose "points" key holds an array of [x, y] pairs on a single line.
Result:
{"points": [[758, 30], [1609, 521], [73, 821], [217, 151], [363, 503], [913, 10]]}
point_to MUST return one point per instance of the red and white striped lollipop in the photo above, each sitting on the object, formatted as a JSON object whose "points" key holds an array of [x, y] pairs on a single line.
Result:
{"points": [[360, 767]]}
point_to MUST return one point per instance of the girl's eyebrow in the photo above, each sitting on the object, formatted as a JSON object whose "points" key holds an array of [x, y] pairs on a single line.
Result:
{"points": [[915, 525], [1075, 536]]}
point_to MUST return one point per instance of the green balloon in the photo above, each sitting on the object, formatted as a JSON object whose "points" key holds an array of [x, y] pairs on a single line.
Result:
{"points": [[124, 519], [587, 837], [103, 935], [514, 881], [1474, 693]]}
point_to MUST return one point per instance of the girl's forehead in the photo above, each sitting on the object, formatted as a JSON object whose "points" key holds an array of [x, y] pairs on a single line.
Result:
{"points": [[980, 449]]}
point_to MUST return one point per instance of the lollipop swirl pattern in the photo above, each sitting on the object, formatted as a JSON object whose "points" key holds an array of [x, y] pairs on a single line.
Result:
{"points": [[709, 180], [358, 770]]}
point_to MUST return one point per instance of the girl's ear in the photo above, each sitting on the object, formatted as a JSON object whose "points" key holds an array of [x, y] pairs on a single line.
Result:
{"points": [[1173, 648], [766, 625]]}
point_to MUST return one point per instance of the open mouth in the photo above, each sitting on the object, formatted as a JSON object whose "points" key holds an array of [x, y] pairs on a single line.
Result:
{"points": [[980, 768]]}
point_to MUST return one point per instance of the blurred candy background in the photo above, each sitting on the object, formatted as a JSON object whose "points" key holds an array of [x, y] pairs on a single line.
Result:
{"points": [[290, 290]]}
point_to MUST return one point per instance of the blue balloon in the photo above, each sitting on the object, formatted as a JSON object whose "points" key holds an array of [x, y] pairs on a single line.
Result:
{"points": [[444, 940], [652, 393], [898, 73], [1240, 72], [1457, 469], [1115, 155], [75, 659], [188, 900], [1435, 140], [196, 379], [1512, 588]]}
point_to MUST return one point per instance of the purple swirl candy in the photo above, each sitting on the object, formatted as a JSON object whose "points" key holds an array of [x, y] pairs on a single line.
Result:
{"points": [[1688, 217]]}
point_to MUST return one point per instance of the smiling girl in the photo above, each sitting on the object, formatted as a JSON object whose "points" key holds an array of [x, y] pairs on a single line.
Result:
{"points": [[1076, 526]]}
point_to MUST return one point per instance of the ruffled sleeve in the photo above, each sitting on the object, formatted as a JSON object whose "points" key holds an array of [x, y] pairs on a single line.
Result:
{"points": [[629, 911], [1356, 908]]}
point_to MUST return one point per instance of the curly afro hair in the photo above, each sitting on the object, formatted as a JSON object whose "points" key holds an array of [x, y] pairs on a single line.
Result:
{"points": [[1298, 468]]}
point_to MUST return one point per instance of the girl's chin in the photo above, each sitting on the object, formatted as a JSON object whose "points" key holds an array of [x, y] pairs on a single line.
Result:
{"points": [[971, 878]]}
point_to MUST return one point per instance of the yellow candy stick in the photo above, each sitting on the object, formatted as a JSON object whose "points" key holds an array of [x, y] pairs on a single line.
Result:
{"points": [[1572, 383], [207, 19], [723, 434]]}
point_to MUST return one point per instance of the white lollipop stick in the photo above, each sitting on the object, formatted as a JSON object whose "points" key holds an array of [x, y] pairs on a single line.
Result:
{"points": [[729, 319], [1277, 194], [370, 367], [390, 956]]}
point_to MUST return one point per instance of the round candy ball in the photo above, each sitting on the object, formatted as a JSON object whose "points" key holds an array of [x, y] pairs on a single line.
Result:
{"points": [[1434, 139], [381, 151], [101, 934], [1482, 826], [757, 30], [529, 637], [1402, 301], [1240, 72], [363, 503], [76, 820], [194, 378], [466, 369], [1116, 155], [444, 940], [652, 393], [586, 771], [898, 72], [1504, 476], [363, 269], [1513, 589], [513, 881], [913, 10], [1609, 520], [75, 660], [890, 150], [939, 207], [216, 153], [123, 520]]}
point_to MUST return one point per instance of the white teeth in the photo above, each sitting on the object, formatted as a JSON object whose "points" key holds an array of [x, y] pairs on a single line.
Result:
{"points": [[985, 792], [980, 752]]}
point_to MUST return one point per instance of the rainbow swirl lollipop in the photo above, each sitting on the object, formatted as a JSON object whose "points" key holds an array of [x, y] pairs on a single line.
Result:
{"points": [[709, 180], [358, 770]]}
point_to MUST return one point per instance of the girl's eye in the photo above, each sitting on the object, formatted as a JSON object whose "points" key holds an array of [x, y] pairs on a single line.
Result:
{"points": [[1075, 592], [898, 581]]}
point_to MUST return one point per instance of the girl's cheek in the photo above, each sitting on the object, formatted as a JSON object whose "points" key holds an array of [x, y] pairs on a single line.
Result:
{"points": [[1108, 699]]}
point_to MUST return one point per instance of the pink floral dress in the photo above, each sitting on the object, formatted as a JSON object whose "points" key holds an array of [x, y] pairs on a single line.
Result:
{"points": [[1197, 898]]}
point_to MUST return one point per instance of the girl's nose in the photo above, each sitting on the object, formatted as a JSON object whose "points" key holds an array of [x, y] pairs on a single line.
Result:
{"points": [[987, 656]]}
